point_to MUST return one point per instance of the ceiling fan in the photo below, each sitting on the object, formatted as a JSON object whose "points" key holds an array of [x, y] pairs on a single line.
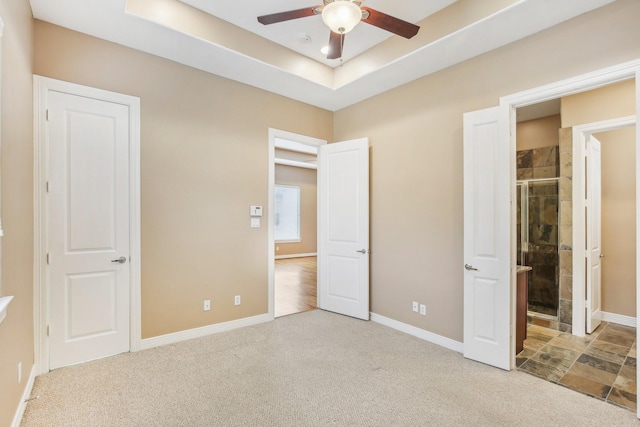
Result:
{"points": [[341, 16]]}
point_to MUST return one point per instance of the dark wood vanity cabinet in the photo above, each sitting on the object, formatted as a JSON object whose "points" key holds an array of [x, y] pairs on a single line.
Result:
{"points": [[521, 306]]}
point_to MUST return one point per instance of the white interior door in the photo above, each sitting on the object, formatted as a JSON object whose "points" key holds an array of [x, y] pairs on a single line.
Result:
{"points": [[594, 233], [88, 228], [343, 228], [487, 319]]}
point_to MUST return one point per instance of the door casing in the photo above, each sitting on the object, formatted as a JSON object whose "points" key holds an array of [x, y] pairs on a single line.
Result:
{"points": [[42, 85], [580, 135]]}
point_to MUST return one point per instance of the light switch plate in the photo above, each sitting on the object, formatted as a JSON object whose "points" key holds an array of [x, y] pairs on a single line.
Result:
{"points": [[256, 211], [255, 222]]}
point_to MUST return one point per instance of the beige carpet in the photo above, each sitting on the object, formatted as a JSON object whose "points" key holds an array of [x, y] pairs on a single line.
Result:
{"points": [[310, 369]]}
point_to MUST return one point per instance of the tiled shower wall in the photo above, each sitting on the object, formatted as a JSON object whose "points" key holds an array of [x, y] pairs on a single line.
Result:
{"points": [[546, 294], [538, 163], [565, 311]]}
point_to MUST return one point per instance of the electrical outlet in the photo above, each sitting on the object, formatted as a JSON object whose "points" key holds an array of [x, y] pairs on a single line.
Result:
{"points": [[423, 309], [207, 305], [19, 372], [415, 306], [236, 300]]}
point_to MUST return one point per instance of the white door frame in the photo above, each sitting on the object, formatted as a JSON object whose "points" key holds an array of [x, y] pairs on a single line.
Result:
{"points": [[580, 135], [290, 136], [41, 87]]}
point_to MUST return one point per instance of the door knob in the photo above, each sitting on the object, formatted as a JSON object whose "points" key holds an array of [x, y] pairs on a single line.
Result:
{"points": [[601, 255], [362, 251], [121, 260], [470, 267]]}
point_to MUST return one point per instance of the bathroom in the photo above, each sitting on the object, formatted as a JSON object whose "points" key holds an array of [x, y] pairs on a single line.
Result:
{"points": [[598, 127], [544, 203]]}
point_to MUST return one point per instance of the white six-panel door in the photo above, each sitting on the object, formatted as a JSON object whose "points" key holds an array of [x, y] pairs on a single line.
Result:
{"points": [[88, 226], [486, 262], [594, 234], [343, 229]]}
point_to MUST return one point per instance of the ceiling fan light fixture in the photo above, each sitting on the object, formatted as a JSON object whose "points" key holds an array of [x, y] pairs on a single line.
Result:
{"points": [[341, 16]]}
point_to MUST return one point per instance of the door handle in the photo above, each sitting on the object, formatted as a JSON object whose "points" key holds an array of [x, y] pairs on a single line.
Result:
{"points": [[601, 255], [470, 267], [362, 251], [120, 260]]}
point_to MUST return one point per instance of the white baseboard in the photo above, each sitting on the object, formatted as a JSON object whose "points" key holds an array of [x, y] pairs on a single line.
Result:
{"points": [[619, 319], [17, 418], [203, 331], [296, 255], [419, 333]]}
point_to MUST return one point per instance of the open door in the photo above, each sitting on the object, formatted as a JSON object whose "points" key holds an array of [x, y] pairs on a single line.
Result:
{"points": [[343, 228], [594, 233], [487, 182]]}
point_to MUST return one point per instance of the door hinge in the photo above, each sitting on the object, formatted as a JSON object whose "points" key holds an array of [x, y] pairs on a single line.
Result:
{"points": [[47, 114], [47, 186], [48, 259], [47, 330]]}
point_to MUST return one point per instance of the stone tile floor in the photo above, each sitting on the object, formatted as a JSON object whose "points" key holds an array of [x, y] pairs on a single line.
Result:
{"points": [[602, 365]]}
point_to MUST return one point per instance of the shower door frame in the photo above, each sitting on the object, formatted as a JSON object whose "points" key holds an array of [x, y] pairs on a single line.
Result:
{"points": [[524, 231]]}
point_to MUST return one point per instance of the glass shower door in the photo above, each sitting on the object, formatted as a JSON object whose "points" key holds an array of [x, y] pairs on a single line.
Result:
{"points": [[542, 251]]}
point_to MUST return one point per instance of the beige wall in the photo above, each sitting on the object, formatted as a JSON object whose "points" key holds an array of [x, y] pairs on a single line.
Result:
{"points": [[619, 221], [416, 166], [537, 133], [618, 189], [306, 179], [16, 332], [204, 161], [609, 102]]}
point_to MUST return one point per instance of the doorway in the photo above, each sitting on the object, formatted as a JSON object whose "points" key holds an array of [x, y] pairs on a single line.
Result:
{"points": [[613, 229], [577, 85], [602, 362], [292, 222], [295, 227], [557, 140]]}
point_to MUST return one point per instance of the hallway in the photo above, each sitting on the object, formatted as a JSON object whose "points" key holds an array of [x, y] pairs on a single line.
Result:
{"points": [[601, 365]]}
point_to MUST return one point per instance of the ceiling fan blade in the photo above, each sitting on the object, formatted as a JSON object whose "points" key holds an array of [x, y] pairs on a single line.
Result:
{"points": [[286, 16], [390, 23], [336, 42]]}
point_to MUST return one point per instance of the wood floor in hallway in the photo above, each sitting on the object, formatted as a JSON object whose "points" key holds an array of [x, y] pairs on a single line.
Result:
{"points": [[296, 288]]}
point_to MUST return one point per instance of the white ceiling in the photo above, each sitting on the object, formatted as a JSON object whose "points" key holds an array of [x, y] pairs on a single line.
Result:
{"points": [[362, 38], [330, 88]]}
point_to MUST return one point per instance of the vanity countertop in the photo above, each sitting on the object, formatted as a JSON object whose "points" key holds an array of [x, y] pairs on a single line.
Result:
{"points": [[523, 268]]}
